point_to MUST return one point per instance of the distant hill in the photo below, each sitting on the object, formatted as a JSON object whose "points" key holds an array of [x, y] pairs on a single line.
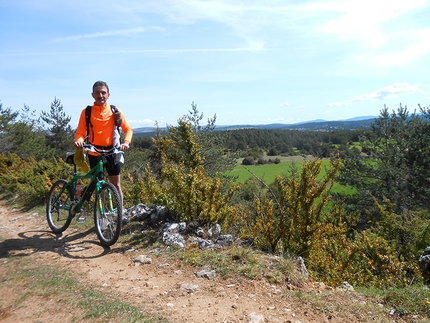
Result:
{"points": [[323, 125]]}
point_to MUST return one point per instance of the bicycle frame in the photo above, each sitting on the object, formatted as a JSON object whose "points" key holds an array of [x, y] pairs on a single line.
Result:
{"points": [[96, 175]]}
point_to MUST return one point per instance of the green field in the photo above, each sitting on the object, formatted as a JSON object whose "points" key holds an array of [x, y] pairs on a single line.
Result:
{"points": [[268, 172]]}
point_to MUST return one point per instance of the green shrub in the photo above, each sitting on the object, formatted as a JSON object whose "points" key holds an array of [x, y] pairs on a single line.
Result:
{"points": [[182, 184], [289, 215], [28, 181]]}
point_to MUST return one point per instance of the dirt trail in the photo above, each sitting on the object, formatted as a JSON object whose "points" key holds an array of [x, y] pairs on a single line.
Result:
{"points": [[155, 287]]}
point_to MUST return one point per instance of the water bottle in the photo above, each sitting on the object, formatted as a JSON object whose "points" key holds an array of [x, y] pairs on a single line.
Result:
{"points": [[79, 189]]}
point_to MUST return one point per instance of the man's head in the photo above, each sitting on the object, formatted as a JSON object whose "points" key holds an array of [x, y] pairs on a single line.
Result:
{"points": [[100, 92]]}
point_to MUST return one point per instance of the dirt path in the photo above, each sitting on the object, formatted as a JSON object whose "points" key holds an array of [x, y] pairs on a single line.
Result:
{"points": [[154, 287]]}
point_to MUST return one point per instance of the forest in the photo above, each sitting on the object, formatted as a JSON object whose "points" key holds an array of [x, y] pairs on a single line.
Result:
{"points": [[372, 235], [272, 142]]}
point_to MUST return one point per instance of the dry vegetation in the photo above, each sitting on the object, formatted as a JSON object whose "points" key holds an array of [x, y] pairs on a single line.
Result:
{"points": [[73, 279]]}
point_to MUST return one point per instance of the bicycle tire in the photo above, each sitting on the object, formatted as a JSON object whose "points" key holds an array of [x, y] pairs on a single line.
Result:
{"points": [[58, 207], [108, 214]]}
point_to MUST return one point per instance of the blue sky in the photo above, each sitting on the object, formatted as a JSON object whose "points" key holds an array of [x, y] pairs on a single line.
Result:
{"points": [[247, 61]]}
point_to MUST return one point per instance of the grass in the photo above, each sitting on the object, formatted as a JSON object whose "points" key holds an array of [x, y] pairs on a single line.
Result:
{"points": [[268, 172], [234, 262], [412, 300], [246, 263], [239, 262], [34, 282], [50, 283]]}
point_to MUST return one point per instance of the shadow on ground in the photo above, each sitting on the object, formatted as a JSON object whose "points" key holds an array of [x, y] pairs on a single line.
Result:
{"points": [[70, 245]]}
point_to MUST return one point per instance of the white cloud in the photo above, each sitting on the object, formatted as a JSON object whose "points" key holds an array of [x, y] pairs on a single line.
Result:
{"points": [[369, 22], [123, 32], [148, 122], [285, 104], [419, 46], [364, 19], [138, 51], [383, 93]]}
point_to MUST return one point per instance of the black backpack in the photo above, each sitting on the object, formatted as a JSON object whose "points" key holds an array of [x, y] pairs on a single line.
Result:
{"points": [[116, 113]]}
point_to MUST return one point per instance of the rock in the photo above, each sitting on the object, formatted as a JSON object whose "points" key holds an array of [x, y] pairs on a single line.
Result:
{"points": [[200, 232], [256, 318], [182, 226], [139, 212], [214, 231], [142, 259], [225, 240], [189, 288], [206, 274], [158, 214], [424, 263], [346, 286], [202, 243], [302, 267], [171, 228], [174, 239]]}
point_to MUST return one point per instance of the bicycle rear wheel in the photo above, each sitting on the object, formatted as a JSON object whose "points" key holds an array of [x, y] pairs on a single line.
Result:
{"points": [[108, 214], [58, 206]]}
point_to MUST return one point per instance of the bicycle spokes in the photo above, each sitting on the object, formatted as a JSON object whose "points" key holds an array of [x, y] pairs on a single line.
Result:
{"points": [[108, 214], [58, 207]]}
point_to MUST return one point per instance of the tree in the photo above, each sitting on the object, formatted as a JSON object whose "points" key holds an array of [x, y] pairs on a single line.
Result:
{"points": [[26, 137], [216, 157], [7, 118], [59, 132], [185, 188], [248, 161], [393, 164]]}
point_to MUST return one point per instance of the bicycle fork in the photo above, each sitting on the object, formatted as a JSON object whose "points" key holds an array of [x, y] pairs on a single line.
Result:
{"points": [[102, 204]]}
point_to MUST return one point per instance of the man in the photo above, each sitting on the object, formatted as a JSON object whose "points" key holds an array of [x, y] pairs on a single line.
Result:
{"points": [[101, 135]]}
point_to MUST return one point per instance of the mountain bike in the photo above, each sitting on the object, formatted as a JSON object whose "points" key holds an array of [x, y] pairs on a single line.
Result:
{"points": [[66, 200]]}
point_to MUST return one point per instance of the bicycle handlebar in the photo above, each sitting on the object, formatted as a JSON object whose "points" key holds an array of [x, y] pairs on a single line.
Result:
{"points": [[92, 148]]}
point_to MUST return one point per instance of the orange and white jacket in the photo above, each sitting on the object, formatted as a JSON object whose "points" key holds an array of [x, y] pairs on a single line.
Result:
{"points": [[103, 123]]}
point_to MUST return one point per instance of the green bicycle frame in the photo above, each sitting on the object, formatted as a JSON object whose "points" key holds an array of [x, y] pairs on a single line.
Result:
{"points": [[96, 175]]}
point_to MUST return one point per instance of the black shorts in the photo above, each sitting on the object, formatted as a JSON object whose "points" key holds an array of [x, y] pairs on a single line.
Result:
{"points": [[110, 166]]}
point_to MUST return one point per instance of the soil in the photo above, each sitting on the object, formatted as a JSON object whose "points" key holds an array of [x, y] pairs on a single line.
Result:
{"points": [[156, 287]]}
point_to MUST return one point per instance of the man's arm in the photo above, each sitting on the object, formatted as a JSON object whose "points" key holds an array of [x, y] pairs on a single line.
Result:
{"points": [[81, 131], [128, 132]]}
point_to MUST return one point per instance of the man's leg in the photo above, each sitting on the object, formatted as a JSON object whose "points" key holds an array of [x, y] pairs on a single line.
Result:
{"points": [[116, 181]]}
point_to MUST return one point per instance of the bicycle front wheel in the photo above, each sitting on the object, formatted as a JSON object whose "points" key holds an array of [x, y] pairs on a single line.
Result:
{"points": [[108, 214], [58, 206]]}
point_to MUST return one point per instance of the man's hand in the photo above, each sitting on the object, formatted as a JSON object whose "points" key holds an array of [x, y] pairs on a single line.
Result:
{"points": [[79, 144], [124, 146]]}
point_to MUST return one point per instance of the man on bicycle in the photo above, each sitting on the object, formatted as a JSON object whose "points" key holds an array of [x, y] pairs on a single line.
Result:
{"points": [[101, 129]]}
